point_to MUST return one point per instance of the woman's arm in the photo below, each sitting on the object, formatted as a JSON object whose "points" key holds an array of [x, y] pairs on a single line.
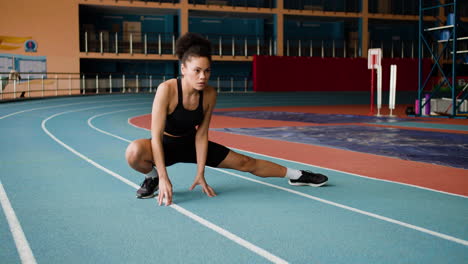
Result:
{"points": [[201, 141], [158, 122]]}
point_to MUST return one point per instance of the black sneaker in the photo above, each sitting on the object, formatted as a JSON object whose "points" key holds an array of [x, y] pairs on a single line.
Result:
{"points": [[310, 178], [147, 189]]}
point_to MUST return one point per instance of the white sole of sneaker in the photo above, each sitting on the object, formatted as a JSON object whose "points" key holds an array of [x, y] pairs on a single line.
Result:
{"points": [[306, 184], [146, 197]]}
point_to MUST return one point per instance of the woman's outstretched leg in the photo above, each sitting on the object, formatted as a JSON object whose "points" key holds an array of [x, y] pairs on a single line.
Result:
{"points": [[264, 168]]}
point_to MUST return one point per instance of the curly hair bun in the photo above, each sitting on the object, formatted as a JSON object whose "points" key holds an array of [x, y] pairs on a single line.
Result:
{"points": [[192, 45]]}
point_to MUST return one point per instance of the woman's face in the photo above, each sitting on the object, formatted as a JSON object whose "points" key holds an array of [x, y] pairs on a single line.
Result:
{"points": [[196, 71]]}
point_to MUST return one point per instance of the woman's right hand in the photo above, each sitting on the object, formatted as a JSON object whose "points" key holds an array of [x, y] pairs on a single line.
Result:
{"points": [[165, 191]]}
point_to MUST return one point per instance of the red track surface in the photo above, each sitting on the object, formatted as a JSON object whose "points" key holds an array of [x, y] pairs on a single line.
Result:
{"points": [[437, 177]]}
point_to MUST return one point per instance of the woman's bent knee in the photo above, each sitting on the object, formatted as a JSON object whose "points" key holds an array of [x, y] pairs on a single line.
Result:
{"points": [[135, 151]]}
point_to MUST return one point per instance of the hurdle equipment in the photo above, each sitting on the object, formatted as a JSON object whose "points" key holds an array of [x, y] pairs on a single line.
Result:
{"points": [[392, 90], [379, 89], [392, 93], [374, 60]]}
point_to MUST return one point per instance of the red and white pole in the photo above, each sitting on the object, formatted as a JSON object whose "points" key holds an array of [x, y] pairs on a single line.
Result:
{"points": [[372, 84]]}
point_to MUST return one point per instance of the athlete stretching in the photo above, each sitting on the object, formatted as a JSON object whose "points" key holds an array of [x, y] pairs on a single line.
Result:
{"points": [[181, 115]]}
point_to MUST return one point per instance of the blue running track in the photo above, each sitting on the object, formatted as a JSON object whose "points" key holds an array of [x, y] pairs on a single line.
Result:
{"points": [[68, 196]]}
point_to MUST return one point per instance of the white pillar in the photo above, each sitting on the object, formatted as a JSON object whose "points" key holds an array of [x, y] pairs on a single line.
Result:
{"points": [[393, 78]]}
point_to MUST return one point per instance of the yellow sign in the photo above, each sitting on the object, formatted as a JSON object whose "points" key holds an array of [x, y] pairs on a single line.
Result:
{"points": [[12, 43]]}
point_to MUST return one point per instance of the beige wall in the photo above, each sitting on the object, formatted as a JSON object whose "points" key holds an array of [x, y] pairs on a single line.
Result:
{"points": [[53, 24]]}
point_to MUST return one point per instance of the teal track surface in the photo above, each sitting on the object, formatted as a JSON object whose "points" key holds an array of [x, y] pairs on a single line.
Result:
{"points": [[73, 195]]}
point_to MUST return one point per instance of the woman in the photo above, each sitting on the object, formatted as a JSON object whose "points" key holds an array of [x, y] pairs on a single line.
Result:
{"points": [[181, 115]]}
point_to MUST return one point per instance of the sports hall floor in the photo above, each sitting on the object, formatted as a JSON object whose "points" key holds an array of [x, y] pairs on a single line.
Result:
{"points": [[397, 192]]}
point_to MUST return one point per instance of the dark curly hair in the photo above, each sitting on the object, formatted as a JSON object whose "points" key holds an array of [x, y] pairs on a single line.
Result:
{"points": [[192, 45]]}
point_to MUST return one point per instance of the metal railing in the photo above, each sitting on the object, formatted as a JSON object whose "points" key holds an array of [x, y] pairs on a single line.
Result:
{"points": [[409, 48], [232, 84], [322, 48], [148, 83], [351, 49], [242, 45], [28, 85], [67, 84], [397, 48], [132, 42], [245, 45], [164, 43]]}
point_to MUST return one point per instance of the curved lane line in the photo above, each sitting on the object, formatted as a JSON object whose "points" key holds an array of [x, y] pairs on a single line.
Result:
{"points": [[56, 106], [105, 132]]}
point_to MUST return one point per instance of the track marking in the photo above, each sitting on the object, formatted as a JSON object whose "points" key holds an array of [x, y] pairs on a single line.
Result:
{"points": [[259, 251], [56, 106], [349, 208], [105, 132], [22, 245]]}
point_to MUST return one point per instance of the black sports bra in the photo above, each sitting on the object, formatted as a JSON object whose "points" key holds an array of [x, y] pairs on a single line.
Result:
{"points": [[183, 122]]}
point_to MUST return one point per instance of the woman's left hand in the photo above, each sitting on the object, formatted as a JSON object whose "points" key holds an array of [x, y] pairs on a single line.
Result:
{"points": [[200, 180]]}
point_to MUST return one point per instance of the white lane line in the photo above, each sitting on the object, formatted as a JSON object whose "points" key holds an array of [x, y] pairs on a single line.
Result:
{"points": [[35, 101], [258, 250], [349, 208], [90, 120], [339, 171], [261, 252], [56, 106], [22, 245]]}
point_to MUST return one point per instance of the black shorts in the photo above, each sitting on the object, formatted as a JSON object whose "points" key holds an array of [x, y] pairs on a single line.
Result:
{"points": [[182, 149]]}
